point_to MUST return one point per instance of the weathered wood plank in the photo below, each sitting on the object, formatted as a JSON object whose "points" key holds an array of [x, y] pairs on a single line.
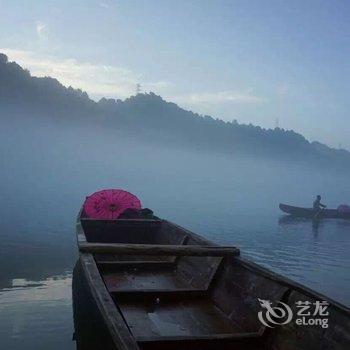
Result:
{"points": [[118, 329], [144, 264], [158, 249]]}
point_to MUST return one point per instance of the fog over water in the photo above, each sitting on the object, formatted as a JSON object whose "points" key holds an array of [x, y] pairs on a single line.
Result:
{"points": [[48, 167]]}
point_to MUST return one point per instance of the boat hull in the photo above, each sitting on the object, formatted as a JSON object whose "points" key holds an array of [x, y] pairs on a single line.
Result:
{"points": [[90, 332], [310, 213], [192, 302]]}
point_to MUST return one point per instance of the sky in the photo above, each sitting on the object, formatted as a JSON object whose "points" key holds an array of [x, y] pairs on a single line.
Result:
{"points": [[268, 63]]}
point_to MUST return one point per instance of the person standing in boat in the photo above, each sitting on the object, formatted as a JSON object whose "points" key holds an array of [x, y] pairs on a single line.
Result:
{"points": [[318, 206]]}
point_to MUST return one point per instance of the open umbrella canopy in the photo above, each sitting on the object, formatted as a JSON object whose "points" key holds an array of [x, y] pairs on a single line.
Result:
{"points": [[109, 204]]}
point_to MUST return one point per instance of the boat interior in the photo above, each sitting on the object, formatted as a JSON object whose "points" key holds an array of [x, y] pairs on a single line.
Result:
{"points": [[183, 302]]}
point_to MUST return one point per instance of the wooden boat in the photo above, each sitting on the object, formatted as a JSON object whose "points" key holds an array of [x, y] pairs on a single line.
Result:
{"points": [[156, 285], [310, 213]]}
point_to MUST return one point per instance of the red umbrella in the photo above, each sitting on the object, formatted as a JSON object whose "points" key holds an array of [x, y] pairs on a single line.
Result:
{"points": [[344, 208], [109, 204]]}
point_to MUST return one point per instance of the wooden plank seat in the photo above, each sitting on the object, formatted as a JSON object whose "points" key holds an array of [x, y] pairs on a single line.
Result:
{"points": [[158, 249], [170, 322], [117, 261], [158, 296], [119, 281], [239, 341], [113, 261], [186, 318], [126, 259], [145, 264], [177, 277]]}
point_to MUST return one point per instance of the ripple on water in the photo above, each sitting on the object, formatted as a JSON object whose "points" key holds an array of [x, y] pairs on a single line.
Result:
{"points": [[37, 314]]}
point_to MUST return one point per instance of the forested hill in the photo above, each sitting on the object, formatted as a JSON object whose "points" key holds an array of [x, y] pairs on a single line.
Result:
{"points": [[148, 116]]}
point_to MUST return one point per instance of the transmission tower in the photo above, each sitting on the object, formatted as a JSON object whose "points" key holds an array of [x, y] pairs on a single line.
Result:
{"points": [[138, 88], [277, 123]]}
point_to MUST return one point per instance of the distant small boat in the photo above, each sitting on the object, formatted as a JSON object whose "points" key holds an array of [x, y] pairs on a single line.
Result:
{"points": [[310, 213]]}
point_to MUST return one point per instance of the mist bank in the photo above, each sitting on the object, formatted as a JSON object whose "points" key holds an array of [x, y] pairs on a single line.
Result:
{"points": [[222, 180], [149, 118], [50, 165], [52, 160]]}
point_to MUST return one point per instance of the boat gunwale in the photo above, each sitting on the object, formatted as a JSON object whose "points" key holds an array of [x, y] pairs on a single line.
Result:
{"points": [[114, 320]]}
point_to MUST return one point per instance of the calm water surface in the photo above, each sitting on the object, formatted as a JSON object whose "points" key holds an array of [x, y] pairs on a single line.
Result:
{"points": [[231, 201]]}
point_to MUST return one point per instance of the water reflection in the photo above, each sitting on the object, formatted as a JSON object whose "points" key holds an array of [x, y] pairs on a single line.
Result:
{"points": [[314, 224], [315, 227], [320, 250], [37, 314]]}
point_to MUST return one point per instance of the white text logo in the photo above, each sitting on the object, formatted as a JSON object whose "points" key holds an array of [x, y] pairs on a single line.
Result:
{"points": [[307, 314]]}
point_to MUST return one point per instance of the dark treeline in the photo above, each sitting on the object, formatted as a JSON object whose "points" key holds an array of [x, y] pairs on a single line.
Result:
{"points": [[149, 117]]}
